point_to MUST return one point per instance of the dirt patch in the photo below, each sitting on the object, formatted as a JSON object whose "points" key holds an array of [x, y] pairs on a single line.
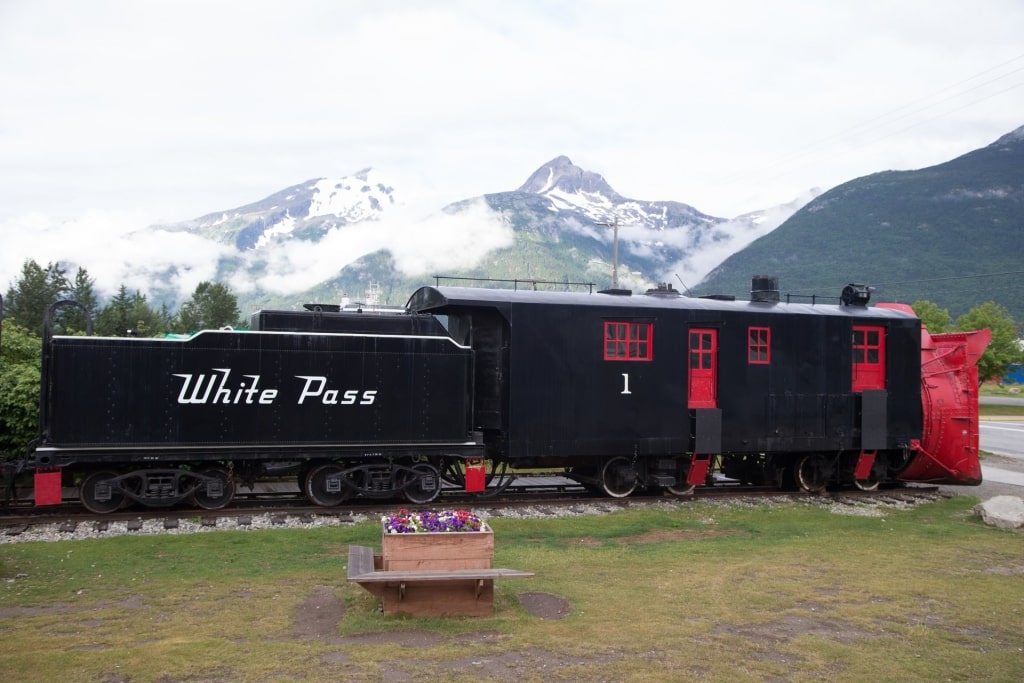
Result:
{"points": [[544, 605], [667, 535], [517, 665], [318, 617], [130, 602], [794, 626], [401, 639]]}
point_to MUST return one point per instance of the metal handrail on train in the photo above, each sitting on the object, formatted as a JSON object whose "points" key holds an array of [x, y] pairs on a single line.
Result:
{"points": [[515, 282]]}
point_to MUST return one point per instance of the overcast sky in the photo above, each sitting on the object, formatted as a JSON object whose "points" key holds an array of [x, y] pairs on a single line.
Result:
{"points": [[126, 113]]}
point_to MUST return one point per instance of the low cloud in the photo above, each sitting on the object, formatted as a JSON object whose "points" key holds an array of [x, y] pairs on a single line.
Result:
{"points": [[420, 245], [112, 248]]}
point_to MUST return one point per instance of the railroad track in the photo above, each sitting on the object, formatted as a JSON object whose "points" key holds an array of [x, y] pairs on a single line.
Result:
{"points": [[290, 509]]}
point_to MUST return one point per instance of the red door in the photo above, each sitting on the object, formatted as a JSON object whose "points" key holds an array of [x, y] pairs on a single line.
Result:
{"points": [[868, 357], [703, 383]]}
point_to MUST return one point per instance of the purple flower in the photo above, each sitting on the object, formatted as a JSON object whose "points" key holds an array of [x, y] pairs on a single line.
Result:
{"points": [[405, 522]]}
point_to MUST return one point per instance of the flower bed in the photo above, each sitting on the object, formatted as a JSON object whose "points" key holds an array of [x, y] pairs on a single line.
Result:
{"points": [[446, 521]]}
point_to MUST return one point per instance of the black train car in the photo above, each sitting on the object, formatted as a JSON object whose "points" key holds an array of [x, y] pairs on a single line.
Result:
{"points": [[362, 411], [641, 390]]}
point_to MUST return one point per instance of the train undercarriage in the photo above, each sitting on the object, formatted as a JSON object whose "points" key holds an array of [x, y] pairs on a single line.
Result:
{"points": [[420, 481]]}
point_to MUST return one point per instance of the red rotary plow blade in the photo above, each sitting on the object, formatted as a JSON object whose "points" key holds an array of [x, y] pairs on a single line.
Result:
{"points": [[948, 450]]}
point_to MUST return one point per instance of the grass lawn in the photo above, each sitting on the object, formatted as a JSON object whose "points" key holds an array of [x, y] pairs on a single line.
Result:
{"points": [[702, 590]]}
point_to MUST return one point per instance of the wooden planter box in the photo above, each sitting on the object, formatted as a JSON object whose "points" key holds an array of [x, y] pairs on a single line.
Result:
{"points": [[446, 551]]}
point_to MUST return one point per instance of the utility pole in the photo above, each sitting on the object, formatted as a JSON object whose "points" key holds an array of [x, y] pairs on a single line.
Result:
{"points": [[615, 249]]}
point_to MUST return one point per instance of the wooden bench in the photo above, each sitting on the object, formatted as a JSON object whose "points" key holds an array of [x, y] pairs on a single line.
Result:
{"points": [[427, 592]]}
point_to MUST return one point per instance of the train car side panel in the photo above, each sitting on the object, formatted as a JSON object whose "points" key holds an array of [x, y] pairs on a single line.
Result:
{"points": [[243, 388]]}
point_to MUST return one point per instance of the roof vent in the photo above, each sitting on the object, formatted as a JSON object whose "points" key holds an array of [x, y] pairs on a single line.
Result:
{"points": [[856, 295], [764, 288], [664, 289]]}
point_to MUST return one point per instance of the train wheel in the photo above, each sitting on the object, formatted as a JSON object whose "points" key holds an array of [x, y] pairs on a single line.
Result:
{"points": [[618, 477], [869, 484], [681, 488], [98, 496], [214, 495], [325, 485], [426, 484], [812, 474]]}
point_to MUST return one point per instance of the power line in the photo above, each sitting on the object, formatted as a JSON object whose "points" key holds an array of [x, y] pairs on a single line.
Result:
{"points": [[889, 118]]}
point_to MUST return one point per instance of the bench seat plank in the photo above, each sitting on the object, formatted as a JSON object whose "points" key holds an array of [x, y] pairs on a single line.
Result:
{"points": [[428, 592], [439, 575]]}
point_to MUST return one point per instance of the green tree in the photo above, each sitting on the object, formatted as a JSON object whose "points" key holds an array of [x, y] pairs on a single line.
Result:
{"points": [[936, 319], [20, 359], [81, 290], [1004, 348], [212, 306], [32, 294], [130, 315]]}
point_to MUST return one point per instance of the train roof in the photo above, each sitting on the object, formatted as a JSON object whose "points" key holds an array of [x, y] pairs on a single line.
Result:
{"points": [[440, 299]]}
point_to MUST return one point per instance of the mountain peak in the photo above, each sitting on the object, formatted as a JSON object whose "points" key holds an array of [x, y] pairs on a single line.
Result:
{"points": [[1014, 136], [561, 174]]}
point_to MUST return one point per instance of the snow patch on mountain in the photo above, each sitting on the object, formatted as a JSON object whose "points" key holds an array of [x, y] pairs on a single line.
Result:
{"points": [[279, 229], [355, 198]]}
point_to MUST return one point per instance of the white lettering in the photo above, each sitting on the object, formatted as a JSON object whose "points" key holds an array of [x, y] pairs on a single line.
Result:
{"points": [[625, 383], [315, 386], [222, 391], [307, 392], [216, 387], [183, 396]]}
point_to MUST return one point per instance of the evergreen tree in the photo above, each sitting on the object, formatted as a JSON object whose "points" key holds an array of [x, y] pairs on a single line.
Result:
{"points": [[131, 315], [115, 319], [33, 293], [73, 319], [212, 306]]}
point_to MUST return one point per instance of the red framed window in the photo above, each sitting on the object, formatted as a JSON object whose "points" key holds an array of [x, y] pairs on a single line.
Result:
{"points": [[868, 357], [759, 347], [628, 341]]}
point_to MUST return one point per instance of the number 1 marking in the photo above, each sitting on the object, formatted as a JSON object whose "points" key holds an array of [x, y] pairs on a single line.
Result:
{"points": [[625, 383]]}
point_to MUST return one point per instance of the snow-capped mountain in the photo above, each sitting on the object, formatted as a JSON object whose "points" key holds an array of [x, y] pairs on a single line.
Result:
{"points": [[328, 238], [305, 211], [658, 240]]}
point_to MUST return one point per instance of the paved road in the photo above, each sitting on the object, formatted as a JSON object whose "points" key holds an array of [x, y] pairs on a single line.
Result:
{"points": [[1003, 472], [1000, 401], [1003, 437]]}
